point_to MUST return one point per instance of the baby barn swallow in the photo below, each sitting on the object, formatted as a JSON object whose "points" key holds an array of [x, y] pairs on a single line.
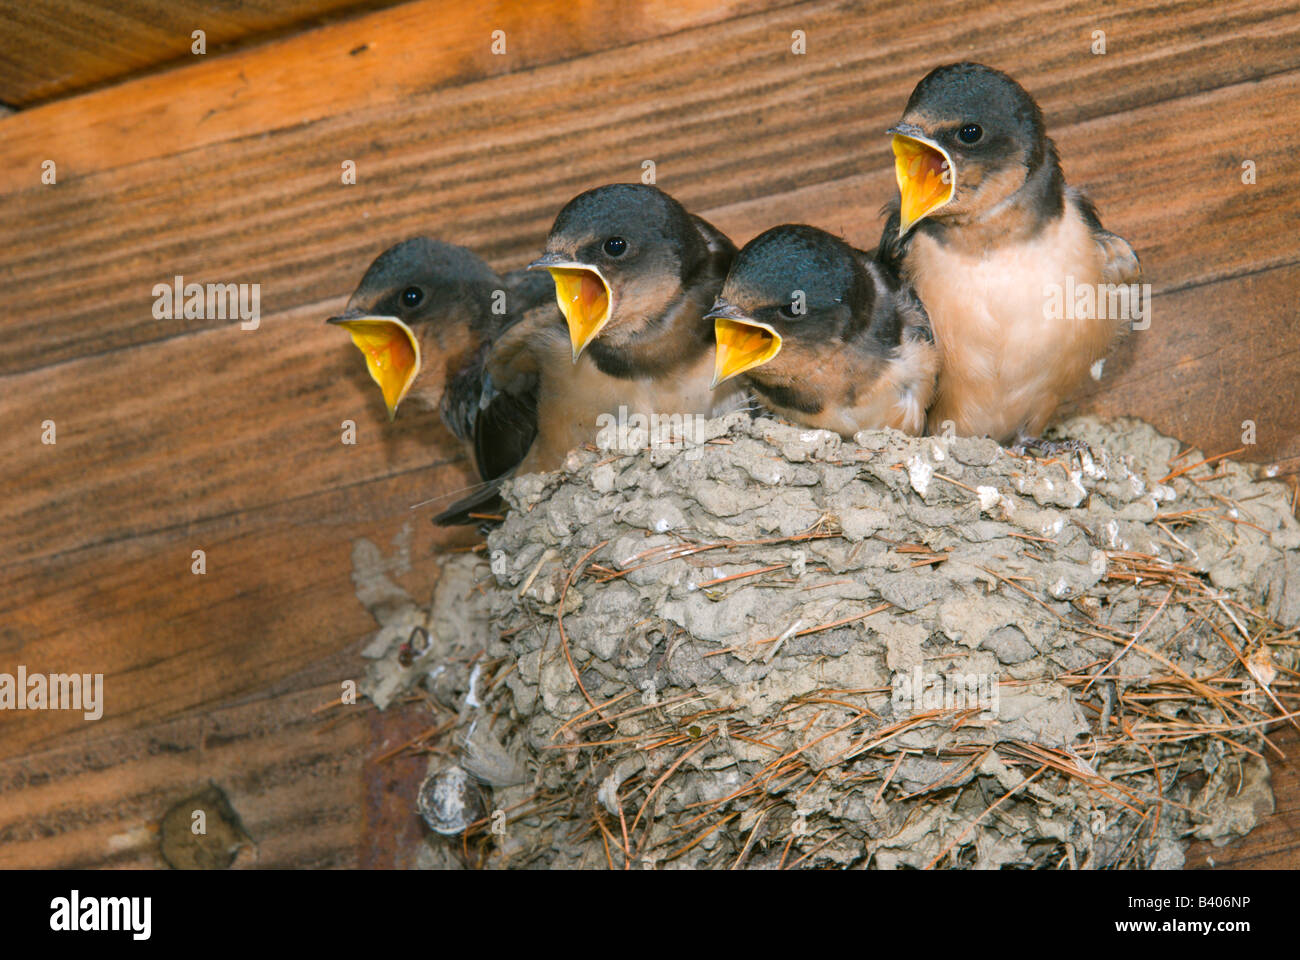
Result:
{"points": [[985, 228], [824, 335], [424, 317], [634, 275]]}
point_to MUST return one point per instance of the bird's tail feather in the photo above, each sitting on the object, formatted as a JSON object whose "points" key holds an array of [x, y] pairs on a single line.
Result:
{"points": [[476, 508]]}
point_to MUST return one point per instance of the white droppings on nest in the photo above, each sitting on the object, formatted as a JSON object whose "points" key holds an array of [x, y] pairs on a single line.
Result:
{"points": [[1076, 482], [471, 697], [1112, 533], [919, 474], [988, 496], [1090, 467], [1096, 369]]}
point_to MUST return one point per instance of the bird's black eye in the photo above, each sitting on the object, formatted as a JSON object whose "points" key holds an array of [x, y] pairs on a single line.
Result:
{"points": [[795, 307], [412, 296], [970, 133], [615, 246]]}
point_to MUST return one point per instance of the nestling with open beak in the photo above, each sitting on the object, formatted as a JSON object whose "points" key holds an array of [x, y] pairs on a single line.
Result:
{"points": [[824, 335], [634, 275], [424, 317], [986, 229]]}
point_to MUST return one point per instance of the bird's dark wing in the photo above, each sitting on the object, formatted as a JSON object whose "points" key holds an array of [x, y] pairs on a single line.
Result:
{"points": [[460, 398], [916, 322], [1121, 264], [504, 430], [721, 250], [472, 392], [495, 402], [907, 318], [501, 426], [491, 403]]}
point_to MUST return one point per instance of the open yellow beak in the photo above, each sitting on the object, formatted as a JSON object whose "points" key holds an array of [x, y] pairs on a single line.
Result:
{"points": [[741, 345], [926, 176], [585, 300], [392, 354]]}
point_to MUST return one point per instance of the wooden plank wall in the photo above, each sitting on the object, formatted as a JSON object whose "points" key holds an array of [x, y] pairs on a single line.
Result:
{"points": [[177, 435], [55, 48]]}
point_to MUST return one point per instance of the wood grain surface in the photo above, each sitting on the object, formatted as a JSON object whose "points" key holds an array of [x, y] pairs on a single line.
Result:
{"points": [[55, 48], [177, 435]]}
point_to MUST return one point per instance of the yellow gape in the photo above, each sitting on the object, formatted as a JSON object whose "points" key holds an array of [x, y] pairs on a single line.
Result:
{"points": [[584, 298], [926, 176], [742, 345], [392, 354]]}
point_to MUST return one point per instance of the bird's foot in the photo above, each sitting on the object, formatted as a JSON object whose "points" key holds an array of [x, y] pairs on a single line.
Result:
{"points": [[1048, 448]]}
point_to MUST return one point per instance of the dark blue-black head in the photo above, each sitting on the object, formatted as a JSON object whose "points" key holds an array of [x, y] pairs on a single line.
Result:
{"points": [[969, 137], [619, 254], [422, 305], [792, 285]]}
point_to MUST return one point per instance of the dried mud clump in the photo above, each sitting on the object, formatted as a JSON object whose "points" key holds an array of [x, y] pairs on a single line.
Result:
{"points": [[773, 648]]}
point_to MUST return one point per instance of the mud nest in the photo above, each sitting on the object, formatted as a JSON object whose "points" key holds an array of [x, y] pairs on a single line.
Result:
{"points": [[775, 649]]}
